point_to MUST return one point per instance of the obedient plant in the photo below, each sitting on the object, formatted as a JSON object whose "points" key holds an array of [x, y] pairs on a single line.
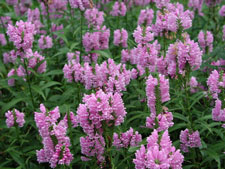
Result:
{"points": [[146, 16], [98, 116], [206, 41], [119, 9], [182, 53], [132, 70], [159, 153], [196, 5], [108, 76], [120, 37], [55, 142], [127, 139], [14, 116], [94, 17], [22, 35], [189, 139], [157, 91]]}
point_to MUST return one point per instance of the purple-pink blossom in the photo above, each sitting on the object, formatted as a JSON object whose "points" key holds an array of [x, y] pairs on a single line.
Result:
{"points": [[146, 16], [120, 37], [22, 34], [98, 40], [81, 4], [143, 35], [45, 42], [94, 17], [126, 139], [108, 75], [98, 108], [14, 116], [206, 41], [218, 114], [3, 41], [189, 139], [55, 142], [119, 9], [179, 54], [159, 153]]}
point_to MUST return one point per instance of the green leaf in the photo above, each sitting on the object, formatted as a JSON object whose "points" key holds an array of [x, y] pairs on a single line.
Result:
{"points": [[12, 103], [103, 53], [16, 156], [50, 84], [133, 149]]}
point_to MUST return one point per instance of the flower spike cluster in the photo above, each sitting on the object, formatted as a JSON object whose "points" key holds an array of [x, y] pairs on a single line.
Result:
{"points": [[22, 34], [182, 53], [157, 91], [56, 143], [189, 139], [94, 17], [108, 75], [216, 82], [33, 60], [98, 40], [119, 9], [14, 116], [120, 37], [129, 138], [206, 41], [146, 16], [99, 111], [159, 153]]}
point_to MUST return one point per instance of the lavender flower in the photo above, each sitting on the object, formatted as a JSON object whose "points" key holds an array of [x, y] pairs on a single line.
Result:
{"points": [[189, 139], [159, 153], [14, 116]]}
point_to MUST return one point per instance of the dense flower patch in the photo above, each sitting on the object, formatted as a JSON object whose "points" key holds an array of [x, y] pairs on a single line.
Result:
{"points": [[112, 84]]}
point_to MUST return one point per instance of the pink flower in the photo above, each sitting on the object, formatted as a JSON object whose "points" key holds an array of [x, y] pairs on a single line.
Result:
{"points": [[93, 147], [98, 40], [161, 3], [129, 138], [189, 139], [14, 116], [206, 41], [159, 153], [196, 5], [108, 75], [81, 4], [120, 37], [222, 11], [22, 35], [45, 42], [146, 16], [94, 17], [2, 39], [11, 82], [193, 84], [218, 114], [143, 35], [182, 53], [119, 9], [10, 57], [140, 159], [33, 16], [98, 108], [151, 84], [213, 83], [55, 151]]}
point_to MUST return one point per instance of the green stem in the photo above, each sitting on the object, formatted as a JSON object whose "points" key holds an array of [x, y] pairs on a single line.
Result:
{"points": [[28, 81]]}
